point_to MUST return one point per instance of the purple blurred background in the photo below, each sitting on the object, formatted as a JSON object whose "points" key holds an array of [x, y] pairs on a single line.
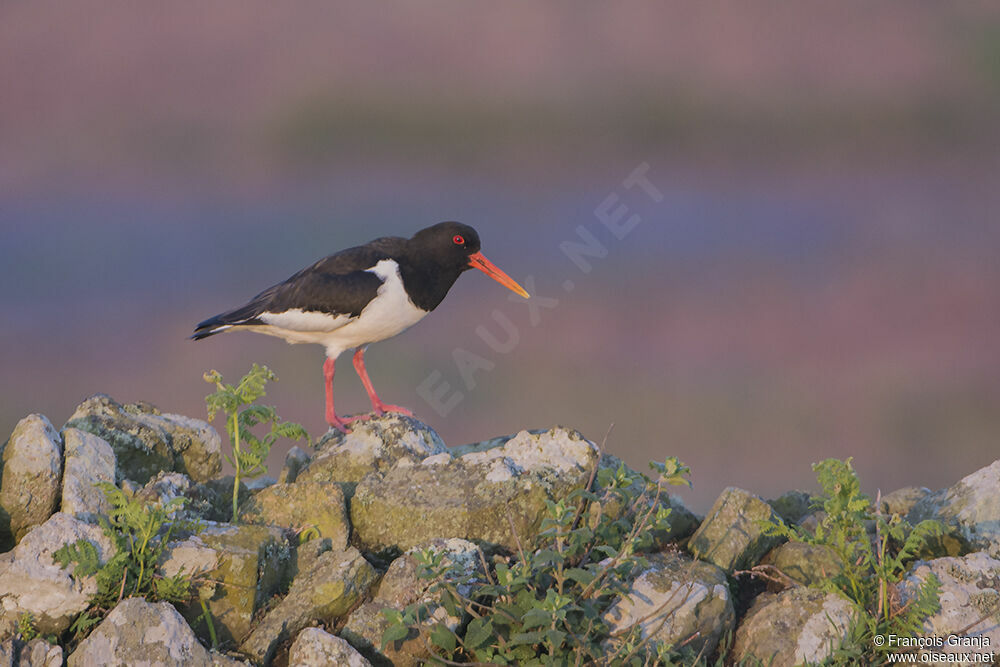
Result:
{"points": [[820, 277]]}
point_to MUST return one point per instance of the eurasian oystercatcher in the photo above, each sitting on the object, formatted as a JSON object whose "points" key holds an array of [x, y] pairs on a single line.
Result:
{"points": [[360, 296]]}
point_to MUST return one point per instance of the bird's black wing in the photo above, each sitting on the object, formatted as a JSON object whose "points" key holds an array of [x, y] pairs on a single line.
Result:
{"points": [[340, 284]]}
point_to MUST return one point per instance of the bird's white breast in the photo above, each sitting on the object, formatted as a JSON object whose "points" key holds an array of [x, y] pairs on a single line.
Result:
{"points": [[389, 313]]}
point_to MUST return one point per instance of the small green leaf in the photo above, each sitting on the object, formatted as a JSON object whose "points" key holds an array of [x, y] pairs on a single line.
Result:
{"points": [[536, 637], [580, 575], [536, 618], [443, 638], [394, 632], [478, 632], [555, 637]]}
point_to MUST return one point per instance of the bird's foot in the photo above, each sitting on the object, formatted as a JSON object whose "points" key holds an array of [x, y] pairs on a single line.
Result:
{"points": [[382, 408], [342, 423]]}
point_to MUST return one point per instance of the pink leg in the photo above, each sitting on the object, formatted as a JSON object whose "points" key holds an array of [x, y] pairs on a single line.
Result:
{"points": [[378, 406], [331, 416]]}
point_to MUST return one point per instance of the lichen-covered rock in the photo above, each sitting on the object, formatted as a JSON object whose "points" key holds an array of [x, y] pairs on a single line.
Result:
{"points": [[30, 581], [336, 582], [401, 586], [316, 648], [971, 508], [37, 653], [243, 567], [476, 497], [302, 506], [296, 461], [373, 445], [146, 441], [970, 599], [32, 476], [731, 536], [137, 632], [803, 563], [676, 601], [89, 461], [796, 626]]}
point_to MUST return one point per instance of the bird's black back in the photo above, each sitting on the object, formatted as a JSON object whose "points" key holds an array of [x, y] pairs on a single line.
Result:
{"points": [[339, 284]]}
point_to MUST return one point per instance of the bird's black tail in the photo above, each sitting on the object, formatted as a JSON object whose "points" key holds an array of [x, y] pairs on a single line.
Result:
{"points": [[219, 323], [247, 314], [210, 327]]}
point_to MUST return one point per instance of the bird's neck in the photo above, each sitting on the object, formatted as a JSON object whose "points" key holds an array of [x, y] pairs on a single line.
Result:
{"points": [[427, 284]]}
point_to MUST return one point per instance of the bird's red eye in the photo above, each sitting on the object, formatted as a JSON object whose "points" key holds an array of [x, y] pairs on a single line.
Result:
{"points": [[458, 240]]}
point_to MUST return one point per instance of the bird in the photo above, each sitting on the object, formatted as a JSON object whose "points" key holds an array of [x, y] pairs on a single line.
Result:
{"points": [[360, 296]]}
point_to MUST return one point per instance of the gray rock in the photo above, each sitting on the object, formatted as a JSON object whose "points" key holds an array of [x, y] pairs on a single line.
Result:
{"points": [[147, 442], [224, 660], [302, 506], [792, 627], [260, 483], [803, 563], [970, 599], [37, 653], [213, 500], [675, 601], [971, 508], [558, 448], [307, 552], [791, 506], [337, 581], [137, 632], [196, 444], [402, 586], [296, 461], [373, 445], [89, 461], [490, 443], [810, 522], [731, 536], [902, 501], [32, 476], [475, 497], [315, 648], [682, 521], [6, 537], [241, 567], [164, 488], [30, 581]]}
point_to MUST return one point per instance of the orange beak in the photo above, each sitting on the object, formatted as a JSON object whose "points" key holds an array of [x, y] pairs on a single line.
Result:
{"points": [[476, 260]]}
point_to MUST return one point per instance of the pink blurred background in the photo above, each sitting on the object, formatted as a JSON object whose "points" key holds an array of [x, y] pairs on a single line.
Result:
{"points": [[819, 279]]}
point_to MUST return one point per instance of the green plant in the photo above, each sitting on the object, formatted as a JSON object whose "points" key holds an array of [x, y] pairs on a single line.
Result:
{"points": [[249, 451], [875, 553], [140, 533], [26, 626], [546, 606]]}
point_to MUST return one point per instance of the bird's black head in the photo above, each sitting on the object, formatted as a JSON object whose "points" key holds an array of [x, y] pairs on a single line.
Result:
{"points": [[448, 244], [440, 253]]}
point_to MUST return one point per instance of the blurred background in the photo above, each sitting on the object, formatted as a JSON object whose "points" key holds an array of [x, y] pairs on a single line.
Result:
{"points": [[819, 277]]}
